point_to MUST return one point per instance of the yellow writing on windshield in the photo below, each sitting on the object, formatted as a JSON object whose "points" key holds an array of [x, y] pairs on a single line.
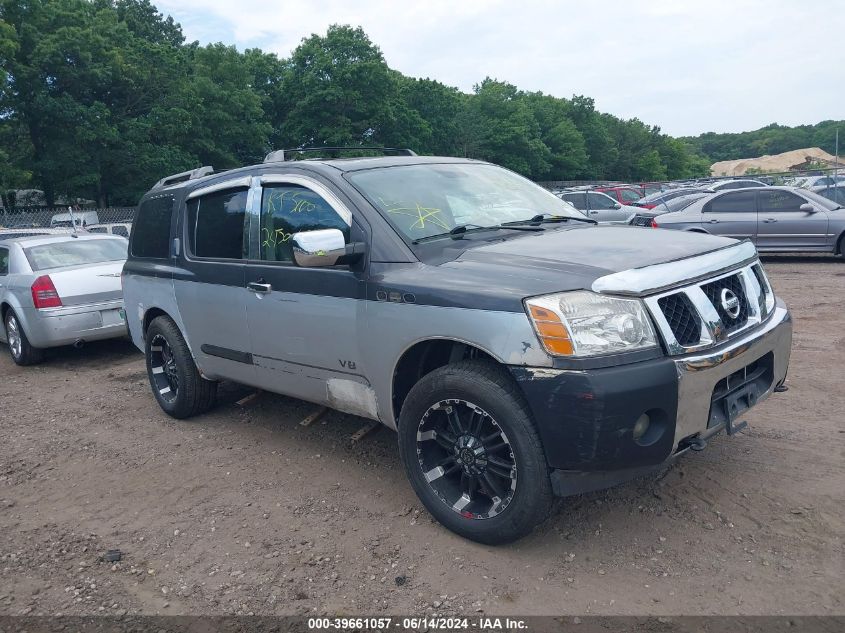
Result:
{"points": [[420, 214]]}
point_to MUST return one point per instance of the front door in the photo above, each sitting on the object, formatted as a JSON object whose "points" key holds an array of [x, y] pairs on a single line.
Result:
{"points": [[210, 289], [782, 225], [304, 322], [732, 214]]}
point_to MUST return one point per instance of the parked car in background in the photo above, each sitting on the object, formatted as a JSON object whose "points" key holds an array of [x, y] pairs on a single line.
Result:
{"points": [[645, 217], [622, 195], [776, 219], [837, 193], [812, 182], [661, 197], [30, 232], [598, 206], [519, 350], [82, 219], [123, 229], [649, 188], [735, 184], [59, 290]]}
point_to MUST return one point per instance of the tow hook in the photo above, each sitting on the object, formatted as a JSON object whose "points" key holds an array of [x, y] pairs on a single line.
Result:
{"points": [[697, 444]]}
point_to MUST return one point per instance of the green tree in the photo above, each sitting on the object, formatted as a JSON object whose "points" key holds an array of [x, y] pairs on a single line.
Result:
{"points": [[337, 90]]}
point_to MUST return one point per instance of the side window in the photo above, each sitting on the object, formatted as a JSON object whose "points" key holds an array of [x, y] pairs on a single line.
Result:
{"points": [[599, 201], [738, 202], [288, 209], [98, 229], [120, 230], [151, 237], [577, 200], [4, 261], [216, 224], [779, 201]]}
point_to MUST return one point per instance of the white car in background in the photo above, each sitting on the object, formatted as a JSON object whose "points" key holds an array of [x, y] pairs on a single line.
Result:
{"points": [[598, 206], [60, 290]]}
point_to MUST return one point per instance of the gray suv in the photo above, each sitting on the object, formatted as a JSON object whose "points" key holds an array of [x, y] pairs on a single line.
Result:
{"points": [[775, 219], [519, 350]]}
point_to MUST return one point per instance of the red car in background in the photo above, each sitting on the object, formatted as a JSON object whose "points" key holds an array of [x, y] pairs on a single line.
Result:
{"points": [[623, 195]]}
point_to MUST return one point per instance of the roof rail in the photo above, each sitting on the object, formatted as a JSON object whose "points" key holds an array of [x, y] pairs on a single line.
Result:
{"points": [[191, 174], [281, 155]]}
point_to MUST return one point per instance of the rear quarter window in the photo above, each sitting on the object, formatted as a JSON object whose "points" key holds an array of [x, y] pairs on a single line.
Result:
{"points": [[151, 229]]}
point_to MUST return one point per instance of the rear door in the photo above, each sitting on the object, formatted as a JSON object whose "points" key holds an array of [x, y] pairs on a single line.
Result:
{"points": [[782, 225], [210, 291], [304, 322], [604, 208], [732, 214]]}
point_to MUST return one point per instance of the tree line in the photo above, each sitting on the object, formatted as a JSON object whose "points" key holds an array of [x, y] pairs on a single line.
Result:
{"points": [[772, 139], [101, 98]]}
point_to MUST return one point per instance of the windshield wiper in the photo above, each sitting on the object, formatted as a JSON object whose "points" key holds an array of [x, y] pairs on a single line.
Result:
{"points": [[456, 232], [544, 218]]}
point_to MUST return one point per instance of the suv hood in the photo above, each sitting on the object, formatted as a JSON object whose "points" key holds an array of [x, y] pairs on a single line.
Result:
{"points": [[591, 252], [498, 275]]}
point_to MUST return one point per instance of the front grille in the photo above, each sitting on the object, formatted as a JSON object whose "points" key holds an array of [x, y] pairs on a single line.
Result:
{"points": [[698, 315], [733, 285], [641, 220], [682, 318]]}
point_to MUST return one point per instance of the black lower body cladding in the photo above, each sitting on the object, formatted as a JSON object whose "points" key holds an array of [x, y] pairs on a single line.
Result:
{"points": [[587, 419]]}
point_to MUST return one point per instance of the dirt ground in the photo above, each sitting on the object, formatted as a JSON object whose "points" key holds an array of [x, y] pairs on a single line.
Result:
{"points": [[244, 510]]}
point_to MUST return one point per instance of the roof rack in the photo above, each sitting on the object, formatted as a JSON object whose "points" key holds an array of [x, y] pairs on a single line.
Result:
{"points": [[282, 155], [191, 174]]}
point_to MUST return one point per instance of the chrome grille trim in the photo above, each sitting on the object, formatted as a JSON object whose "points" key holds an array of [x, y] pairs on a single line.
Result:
{"points": [[658, 277], [713, 330]]}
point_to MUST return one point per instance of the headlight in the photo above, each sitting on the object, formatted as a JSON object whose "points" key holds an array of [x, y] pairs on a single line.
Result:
{"points": [[588, 324]]}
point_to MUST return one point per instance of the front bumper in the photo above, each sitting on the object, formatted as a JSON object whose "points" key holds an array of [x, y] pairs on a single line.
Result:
{"points": [[53, 327], [586, 417]]}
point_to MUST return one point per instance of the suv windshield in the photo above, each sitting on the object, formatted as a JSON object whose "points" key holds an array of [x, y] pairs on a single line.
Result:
{"points": [[432, 199], [75, 253]]}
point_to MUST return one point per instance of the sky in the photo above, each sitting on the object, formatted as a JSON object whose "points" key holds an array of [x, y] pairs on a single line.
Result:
{"points": [[688, 67]]}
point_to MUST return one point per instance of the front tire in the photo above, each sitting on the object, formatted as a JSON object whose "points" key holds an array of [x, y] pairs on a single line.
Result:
{"points": [[473, 454], [19, 347], [174, 378]]}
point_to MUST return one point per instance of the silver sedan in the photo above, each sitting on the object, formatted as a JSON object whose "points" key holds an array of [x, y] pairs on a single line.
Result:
{"points": [[60, 290], [776, 219]]}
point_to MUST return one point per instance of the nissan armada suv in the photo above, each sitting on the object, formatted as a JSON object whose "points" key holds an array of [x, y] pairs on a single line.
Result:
{"points": [[519, 350]]}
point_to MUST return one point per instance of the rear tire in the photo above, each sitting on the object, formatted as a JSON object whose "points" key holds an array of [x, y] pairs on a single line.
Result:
{"points": [[473, 454], [841, 247], [19, 347], [177, 385]]}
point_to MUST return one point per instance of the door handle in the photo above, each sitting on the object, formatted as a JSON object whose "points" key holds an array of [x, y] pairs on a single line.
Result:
{"points": [[769, 221], [714, 221], [259, 286]]}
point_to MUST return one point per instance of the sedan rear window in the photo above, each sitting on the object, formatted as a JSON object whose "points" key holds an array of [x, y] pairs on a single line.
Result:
{"points": [[75, 253]]}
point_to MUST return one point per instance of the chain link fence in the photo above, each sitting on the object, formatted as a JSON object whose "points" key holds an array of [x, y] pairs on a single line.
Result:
{"points": [[34, 220]]}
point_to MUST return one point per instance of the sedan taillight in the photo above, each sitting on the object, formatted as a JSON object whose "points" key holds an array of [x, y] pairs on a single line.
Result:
{"points": [[44, 294]]}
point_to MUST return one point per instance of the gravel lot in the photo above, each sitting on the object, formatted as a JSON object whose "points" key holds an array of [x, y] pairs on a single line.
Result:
{"points": [[244, 510]]}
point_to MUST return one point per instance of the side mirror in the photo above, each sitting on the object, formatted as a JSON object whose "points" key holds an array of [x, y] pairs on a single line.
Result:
{"points": [[807, 208], [324, 247], [617, 206]]}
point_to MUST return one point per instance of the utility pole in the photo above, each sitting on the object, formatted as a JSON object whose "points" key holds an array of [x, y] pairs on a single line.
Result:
{"points": [[836, 164]]}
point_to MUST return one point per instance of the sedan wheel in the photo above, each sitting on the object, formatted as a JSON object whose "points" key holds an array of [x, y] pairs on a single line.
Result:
{"points": [[13, 335], [21, 351]]}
